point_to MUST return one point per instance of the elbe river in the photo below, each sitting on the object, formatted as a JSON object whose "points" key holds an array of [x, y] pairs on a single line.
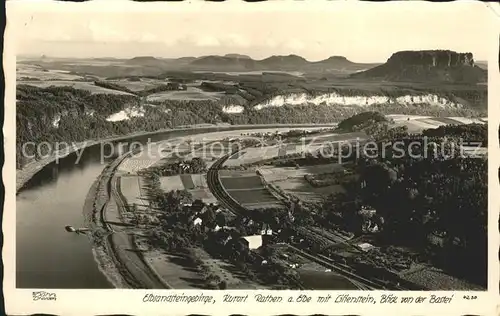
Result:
{"points": [[46, 255]]}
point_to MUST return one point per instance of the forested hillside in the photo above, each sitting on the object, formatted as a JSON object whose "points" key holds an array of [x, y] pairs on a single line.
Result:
{"points": [[56, 114]]}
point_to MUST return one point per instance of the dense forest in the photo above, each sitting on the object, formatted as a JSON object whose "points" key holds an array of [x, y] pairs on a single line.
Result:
{"points": [[428, 197], [361, 120], [195, 165], [65, 114], [471, 133]]}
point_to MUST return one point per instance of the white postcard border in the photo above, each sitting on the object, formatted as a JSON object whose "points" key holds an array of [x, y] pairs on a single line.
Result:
{"points": [[87, 302]]}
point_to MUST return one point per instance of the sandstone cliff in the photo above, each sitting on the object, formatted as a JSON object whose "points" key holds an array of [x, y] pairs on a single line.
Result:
{"points": [[432, 58], [428, 65]]}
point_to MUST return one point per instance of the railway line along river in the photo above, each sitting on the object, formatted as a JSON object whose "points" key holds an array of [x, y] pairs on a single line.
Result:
{"points": [[46, 255]]}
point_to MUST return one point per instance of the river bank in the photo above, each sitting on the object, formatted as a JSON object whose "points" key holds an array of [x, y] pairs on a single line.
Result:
{"points": [[94, 212], [29, 170]]}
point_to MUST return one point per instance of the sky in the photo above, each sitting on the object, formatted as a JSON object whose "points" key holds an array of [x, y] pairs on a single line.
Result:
{"points": [[362, 32]]}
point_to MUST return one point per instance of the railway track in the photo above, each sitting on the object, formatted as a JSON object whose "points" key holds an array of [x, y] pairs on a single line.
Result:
{"points": [[229, 203]]}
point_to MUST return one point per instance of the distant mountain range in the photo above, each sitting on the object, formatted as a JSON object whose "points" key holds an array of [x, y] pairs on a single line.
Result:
{"points": [[418, 66], [238, 62]]}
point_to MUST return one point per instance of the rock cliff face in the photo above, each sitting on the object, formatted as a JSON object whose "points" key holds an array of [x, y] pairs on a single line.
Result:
{"points": [[432, 58], [428, 66], [338, 99]]}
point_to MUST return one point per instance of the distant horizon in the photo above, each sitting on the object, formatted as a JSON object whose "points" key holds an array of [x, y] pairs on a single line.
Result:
{"points": [[225, 54], [361, 32]]}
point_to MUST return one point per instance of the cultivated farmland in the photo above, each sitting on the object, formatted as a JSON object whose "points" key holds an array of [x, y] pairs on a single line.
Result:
{"points": [[303, 190], [247, 189], [27, 72], [252, 196], [253, 154], [131, 190], [136, 86], [292, 181], [89, 86], [239, 183], [171, 183]]}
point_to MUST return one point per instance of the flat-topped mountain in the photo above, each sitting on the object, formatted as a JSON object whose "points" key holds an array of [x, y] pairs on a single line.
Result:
{"points": [[428, 65], [237, 56], [338, 60], [143, 59], [146, 61], [283, 61], [223, 62], [432, 58], [277, 63]]}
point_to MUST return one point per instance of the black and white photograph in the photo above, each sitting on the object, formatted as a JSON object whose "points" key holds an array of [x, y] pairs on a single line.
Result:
{"points": [[218, 149]]}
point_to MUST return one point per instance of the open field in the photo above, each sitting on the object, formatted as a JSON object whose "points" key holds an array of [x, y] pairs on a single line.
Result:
{"points": [[282, 150], [187, 181], [243, 133], [178, 272], [404, 117], [417, 123], [238, 183], [226, 271], [191, 93], [252, 196], [236, 173], [203, 194], [196, 184], [131, 190], [334, 137], [256, 72], [199, 180], [300, 188], [305, 147], [309, 144], [152, 154], [263, 205], [136, 86], [446, 120], [291, 180], [34, 72], [89, 86], [272, 174], [465, 120], [254, 154], [209, 153], [171, 183], [133, 165]]}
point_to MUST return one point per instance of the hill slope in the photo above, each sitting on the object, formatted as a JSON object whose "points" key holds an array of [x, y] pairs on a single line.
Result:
{"points": [[223, 63]]}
